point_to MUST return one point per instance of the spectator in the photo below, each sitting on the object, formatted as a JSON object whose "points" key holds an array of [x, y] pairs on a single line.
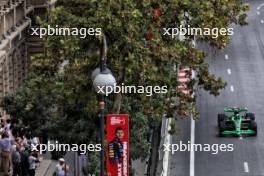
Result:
{"points": [[16, 160], [32, 164], [19, 144], [63, 171], [35, 141], [24, 161], [24, 142], [6, 146], [2, 129], [61, 168], [8, 124], [5, 127], [8, 129]]}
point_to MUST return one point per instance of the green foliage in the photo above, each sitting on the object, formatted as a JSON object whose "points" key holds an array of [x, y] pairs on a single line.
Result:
{"points": [[31, 102], [139, 128], [92, 167], [173, 130], [62, 100]]}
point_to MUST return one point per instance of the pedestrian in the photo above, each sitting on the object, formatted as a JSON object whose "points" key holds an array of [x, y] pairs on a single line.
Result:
{"points": [[35, 142], [63, 171], [61, 168], [3, 128], [16, 161], [6, 149], [6, 146], [24, 161], [32, 163]]}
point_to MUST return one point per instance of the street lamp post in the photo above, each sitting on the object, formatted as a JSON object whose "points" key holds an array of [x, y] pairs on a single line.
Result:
{"points": [[102, 77], [102, 120]]}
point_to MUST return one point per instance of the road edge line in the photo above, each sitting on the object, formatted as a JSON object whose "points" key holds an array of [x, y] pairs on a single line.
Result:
{"points": [[192, 156], [165, 162]]}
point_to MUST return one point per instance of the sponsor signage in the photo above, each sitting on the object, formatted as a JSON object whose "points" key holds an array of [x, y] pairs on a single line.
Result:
{"points": [[117, 149]]}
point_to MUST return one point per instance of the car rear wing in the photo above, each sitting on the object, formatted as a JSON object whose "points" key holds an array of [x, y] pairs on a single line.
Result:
{"points": [[235, 109]]}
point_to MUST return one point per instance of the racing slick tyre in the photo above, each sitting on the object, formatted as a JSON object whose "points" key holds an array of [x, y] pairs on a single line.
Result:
{"points": [[225, 125], [222, 127], [220, 118], [251, 116], [253, 126]]}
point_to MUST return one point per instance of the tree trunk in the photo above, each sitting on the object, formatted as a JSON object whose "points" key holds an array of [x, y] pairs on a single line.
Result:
{"points": [[117, 104]]}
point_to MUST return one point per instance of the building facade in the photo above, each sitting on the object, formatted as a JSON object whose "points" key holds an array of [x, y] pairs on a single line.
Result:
{"points": [[16, 45]]}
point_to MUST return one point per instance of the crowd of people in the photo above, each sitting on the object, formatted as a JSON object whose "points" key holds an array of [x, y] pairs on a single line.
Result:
{"points": [[17, 158], [16, 155]]}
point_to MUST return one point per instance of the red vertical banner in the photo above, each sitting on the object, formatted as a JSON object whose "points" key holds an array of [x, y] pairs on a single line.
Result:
{"points": [[117, 149]]}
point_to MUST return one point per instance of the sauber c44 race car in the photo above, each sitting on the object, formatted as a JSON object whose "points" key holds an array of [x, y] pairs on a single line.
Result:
{"points": [[240, 122]]}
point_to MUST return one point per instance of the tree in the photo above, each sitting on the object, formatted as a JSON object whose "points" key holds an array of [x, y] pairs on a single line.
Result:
{"points": [[138, 54]]}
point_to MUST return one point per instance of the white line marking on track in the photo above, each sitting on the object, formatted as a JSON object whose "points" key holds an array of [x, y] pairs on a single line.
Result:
{"points": [[262, 21], [166, 156], [226, 57], [229, 71], [192, 142], [232, 88], [246, 168], [258, 13]]}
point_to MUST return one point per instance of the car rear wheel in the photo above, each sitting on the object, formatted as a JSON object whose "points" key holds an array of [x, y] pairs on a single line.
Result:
{"points": [[220, 118], [222, 127], [253, 126], [226, 125], [251, 116]]}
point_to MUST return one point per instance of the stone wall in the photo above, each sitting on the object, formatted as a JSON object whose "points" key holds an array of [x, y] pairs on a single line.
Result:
{"points": [[16, 46]]}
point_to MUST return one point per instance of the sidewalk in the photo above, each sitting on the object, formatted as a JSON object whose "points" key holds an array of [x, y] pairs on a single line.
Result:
{"points": [[48, 166], [43, 167]]}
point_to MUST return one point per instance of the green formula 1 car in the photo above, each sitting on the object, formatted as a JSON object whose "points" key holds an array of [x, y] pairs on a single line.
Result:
{"points": [[237, 123]]}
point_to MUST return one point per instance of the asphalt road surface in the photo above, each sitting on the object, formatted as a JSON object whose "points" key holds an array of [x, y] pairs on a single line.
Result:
{"points": [[241, 64]]}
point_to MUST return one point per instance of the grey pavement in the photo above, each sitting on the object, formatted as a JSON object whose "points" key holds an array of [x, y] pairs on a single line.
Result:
{"points": [[47, 166], [43, 167], [246, 62]]}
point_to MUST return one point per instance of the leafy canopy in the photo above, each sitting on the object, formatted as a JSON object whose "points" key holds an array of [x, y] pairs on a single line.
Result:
{"points": [[59, 96]]}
